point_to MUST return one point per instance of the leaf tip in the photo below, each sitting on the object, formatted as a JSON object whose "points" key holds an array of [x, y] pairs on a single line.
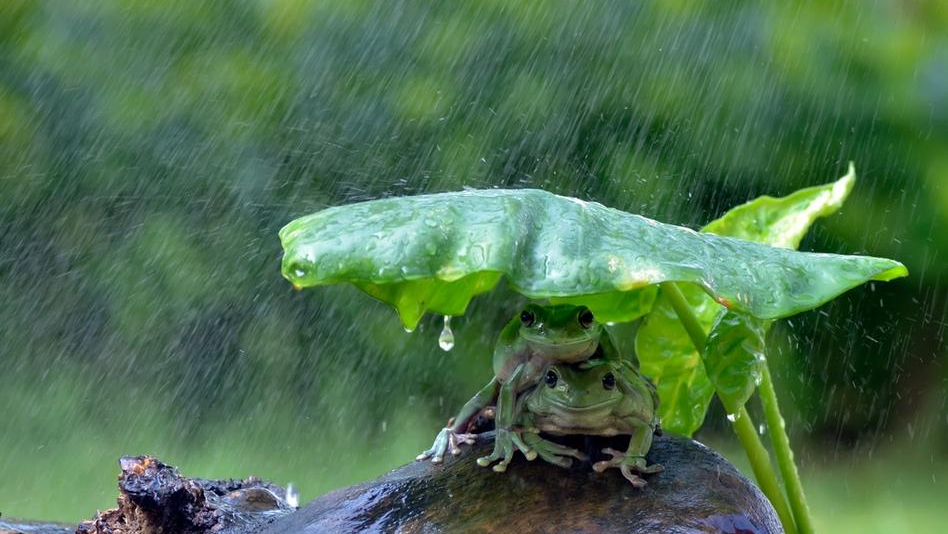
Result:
{"points": [[410, 316], [896, 270], [851, 171]]}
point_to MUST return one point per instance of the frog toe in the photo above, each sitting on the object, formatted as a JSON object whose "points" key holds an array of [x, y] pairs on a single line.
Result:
{"points": [[502, 452], [456, 440], [562, 461], [446, 440], [485, 461], [554, 453], [629, 465], [652, 469], [522, 446], [637, 481], [599, 467]]}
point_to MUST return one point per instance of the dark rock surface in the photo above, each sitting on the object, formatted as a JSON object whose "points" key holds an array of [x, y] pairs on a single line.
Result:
{"points": [[699, 492], [16, 526], [154, 498]]}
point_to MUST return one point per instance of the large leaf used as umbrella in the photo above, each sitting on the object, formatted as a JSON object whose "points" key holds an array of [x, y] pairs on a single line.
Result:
{"points": [[731, 362], [435, 252]]}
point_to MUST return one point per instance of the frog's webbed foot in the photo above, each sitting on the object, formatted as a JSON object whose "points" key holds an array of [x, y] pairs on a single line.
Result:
{"points": [[552, 452], [446, 440], [627, 464], [504, 443]]}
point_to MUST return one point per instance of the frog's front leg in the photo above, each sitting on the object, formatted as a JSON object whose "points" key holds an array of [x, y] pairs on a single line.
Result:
{"points": [[633, 459], [506, 438], [453, 436]]}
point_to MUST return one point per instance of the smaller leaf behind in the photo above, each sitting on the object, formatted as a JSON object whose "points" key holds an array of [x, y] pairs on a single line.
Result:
{"points": [[781, 222], [734, 356], [667, 356], [617, 307]]}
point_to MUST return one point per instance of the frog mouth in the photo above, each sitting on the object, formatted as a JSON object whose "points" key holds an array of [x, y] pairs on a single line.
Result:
{"points": [[562, 344], [583, 409]]}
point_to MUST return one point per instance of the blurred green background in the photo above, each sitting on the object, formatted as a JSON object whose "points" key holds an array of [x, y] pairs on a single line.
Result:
{"points": [[150, 151]]}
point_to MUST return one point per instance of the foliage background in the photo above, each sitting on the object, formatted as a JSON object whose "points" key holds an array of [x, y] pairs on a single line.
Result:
{"points": [[150, 151]]}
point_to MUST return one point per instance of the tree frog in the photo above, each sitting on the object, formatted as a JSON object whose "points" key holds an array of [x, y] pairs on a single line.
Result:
{"points": [[596, 397], [528, 344]]}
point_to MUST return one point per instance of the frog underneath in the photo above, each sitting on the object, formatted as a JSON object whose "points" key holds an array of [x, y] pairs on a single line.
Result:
{"points": [[528, 344], [597, 397]]}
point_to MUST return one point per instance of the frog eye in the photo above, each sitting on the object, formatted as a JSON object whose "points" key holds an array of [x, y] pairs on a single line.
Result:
{"points": [[609, 381], [586, 318], [527, 318], [551, 378]]}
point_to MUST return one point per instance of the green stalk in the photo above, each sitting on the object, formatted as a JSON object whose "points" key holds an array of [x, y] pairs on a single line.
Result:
{"points": [[688, 320], [743, 425], [760, 463], [781, 445]]}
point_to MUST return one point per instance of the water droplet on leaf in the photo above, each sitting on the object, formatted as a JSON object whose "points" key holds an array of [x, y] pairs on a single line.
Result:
{"points": [[732, 417], [446, 339]]}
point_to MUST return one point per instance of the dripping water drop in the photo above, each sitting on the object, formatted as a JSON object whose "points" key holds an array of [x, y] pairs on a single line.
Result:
{"points": [[446, 339]]}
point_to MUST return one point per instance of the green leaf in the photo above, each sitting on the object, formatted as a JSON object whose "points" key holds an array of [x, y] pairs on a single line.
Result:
{"points": [[664, 348], [667, 356], [736, 347], [734, 356], [616, 307], [435, 252], [782, 222]]}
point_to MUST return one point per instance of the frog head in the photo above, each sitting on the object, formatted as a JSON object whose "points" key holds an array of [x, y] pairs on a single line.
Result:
{"points": [[564, 333], [584, 390]]}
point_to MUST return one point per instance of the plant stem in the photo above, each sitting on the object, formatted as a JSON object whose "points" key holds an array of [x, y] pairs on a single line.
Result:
{"points": [[781, 445], [743, 425], [763, 469], [688, 320]]}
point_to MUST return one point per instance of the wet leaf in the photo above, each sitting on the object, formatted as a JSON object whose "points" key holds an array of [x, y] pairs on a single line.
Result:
{"points": [[733, 357], [667, 356], [616, 307], [435, 252], [662, 345], [782, 222]]}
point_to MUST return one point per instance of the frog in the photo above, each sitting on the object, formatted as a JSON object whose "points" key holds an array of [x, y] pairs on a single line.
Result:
{"points": [[596, 397], [538, 336]]}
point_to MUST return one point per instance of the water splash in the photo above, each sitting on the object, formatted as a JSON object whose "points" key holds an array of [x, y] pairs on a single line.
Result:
{"points": [[292, 496], [446, 339]]}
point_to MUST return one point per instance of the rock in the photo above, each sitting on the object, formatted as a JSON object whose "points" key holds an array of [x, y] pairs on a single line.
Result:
{"points": [[17, 526], [154, 498], [699, 492]]}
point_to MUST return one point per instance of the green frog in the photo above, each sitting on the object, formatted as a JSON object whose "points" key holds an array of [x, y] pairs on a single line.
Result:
{"points": [[597, 397], [537, 337]]}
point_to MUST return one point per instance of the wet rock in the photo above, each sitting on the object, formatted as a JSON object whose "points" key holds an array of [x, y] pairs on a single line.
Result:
{"points": [[699, 492], [154, 498], [16, 526]]}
